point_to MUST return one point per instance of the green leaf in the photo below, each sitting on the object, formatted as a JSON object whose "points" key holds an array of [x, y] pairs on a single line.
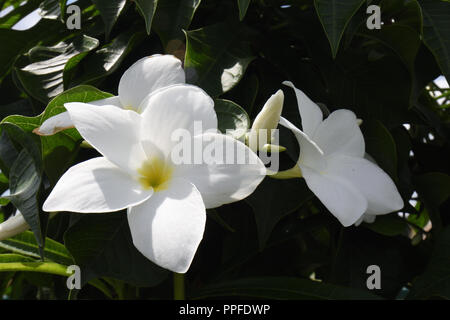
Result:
{"points": [[59, 149], [274, 199], [216, 57], [243, 6], [18, 13], [12, 257], [402, 39], [434, 187], [436, 28], [25, 244], [172, 17], [335, 16], [282, 288], [435, 281], [147, 8], [403, 12], [381, 146], [105, 60], [21, 41], [109, 11], [232, 119], [25, 179], [44, 79], [389, 225], [101, 245]]}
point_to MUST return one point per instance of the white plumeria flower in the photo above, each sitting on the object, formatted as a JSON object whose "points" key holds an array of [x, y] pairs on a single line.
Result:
{"points": [[13, 226], [144, 77], [166, 202], [333, 164]]}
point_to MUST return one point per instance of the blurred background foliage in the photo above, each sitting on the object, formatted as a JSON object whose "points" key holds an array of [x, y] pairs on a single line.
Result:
{"points": [[280, 242]]}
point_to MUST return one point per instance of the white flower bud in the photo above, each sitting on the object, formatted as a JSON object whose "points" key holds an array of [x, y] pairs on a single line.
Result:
{"points": [[269, 116]]}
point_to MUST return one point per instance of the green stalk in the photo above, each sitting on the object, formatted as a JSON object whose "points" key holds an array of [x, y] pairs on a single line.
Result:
{"points": [[178, 286]]}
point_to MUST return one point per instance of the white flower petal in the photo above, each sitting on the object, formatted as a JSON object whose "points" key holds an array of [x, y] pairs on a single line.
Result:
{"points": [[310, 112], [344, 201], [229, 172], [310, 153], [111, 101], [114, 132], [95, 185], [340, 133], [55, 124], [63, 121], [146, 75], [184, 107], [13, 226], [378, 188], [168, 228]]}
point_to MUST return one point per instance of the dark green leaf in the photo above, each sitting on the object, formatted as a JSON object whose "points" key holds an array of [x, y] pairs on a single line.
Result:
{"points": [[381, 146], [172, 17], [434, 187], [109, 11], [435, 281], [147, 9], [334, 16], [274, 199], [101, 244], [105, 60], [44, 79], [216, 57], [25, 181], [243, 6], [436, 28], [59, 149], [389, 225]]}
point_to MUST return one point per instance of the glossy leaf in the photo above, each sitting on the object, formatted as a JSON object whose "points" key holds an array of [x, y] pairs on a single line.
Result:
{"points": [[44, 79], [216, 57], [172, 17], [147, 8], [109, 11]]}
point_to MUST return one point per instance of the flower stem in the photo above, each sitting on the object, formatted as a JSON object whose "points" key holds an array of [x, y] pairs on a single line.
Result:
{"points": [[178, 286]]}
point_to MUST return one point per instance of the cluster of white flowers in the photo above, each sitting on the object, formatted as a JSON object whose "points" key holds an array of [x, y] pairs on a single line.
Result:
{"points": [[166, 202]]}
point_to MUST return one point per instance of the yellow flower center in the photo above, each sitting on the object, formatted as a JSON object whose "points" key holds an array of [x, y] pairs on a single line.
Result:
{"points": [[155, 173]]}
